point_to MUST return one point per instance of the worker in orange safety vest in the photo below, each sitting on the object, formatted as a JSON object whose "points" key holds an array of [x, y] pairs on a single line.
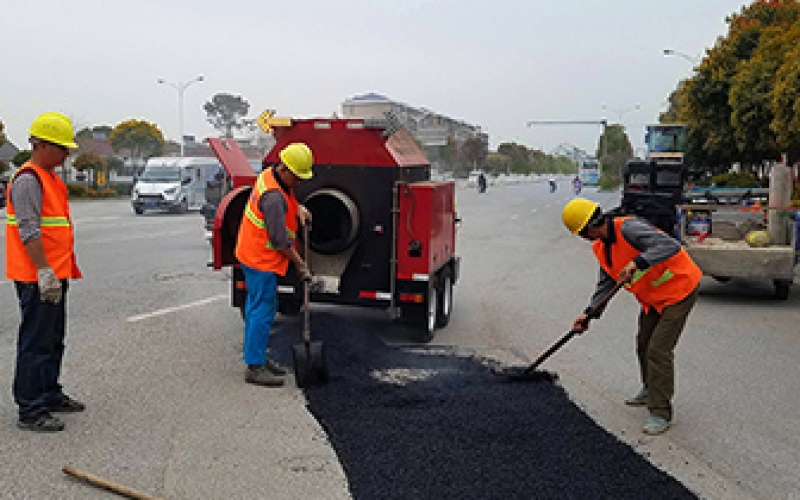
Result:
{"points": [[265, 247], [663, 278], [40, 260]]}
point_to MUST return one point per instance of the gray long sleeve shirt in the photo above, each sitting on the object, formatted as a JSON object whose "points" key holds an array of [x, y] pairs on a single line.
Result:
{"points": [[273, 206], [26, 196], [654, 245]]}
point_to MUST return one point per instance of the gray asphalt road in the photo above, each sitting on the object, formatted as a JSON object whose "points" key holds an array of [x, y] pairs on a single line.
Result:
{"points": [[154, 349], [525, 279]]}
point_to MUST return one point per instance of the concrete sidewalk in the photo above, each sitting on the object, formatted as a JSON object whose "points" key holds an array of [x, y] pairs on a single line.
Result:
{"points": [[170, 415]]}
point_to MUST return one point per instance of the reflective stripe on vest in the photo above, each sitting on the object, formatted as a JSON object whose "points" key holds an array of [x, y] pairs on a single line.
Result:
{"points": [[253, 245], [55, 227]]}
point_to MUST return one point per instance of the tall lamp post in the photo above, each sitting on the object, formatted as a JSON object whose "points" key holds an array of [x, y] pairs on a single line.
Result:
{"points": [[181, 88], [670, 52], [620, 112]]}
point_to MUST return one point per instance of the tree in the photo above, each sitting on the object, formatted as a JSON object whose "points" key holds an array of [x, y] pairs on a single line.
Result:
{"points": [[89, 161], [226, 113], [2, 134], [138, 138], [474, 151], [21, 157], [613, 150], [4, 167]]}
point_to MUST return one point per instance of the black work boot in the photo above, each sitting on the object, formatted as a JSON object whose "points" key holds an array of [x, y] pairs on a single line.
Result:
{"points": [[66, 405], [261, 375], [275, 368], [42, 423]]}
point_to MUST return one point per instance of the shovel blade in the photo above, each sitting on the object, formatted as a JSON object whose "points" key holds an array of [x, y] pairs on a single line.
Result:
{"points": [[310, 364]]}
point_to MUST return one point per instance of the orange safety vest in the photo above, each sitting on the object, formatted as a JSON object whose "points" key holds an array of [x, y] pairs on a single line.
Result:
{"points": [[55, 225], [659, 286], [253, 246]]}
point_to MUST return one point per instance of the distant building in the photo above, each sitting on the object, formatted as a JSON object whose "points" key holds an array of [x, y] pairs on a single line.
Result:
{"points": [[429, 128]]}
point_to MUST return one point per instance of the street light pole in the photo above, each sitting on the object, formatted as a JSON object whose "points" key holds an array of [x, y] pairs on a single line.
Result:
{"points": [[620, 112], [181, 88], [670, 52]]}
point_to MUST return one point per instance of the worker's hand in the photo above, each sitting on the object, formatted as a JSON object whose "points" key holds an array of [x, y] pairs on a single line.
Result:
{"points": [[304, 214], [626, 275], [581, 324], [49, 285], [303, 273]]}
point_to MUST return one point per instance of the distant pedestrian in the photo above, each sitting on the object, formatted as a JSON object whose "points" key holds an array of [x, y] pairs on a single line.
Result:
{"points": [[481, 183], [577, 185], [265, 247], [553, 185], [662, 277], [40, 259]]}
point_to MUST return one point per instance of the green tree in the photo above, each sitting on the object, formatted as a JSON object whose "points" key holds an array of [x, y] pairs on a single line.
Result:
{"points": [[89, 161], [474, 152], [2, 133], [21, 157], [138, 138], [613, 151], [4, 167], [226, 113]]}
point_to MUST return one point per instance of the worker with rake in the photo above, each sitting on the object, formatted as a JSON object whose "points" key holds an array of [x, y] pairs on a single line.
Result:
{"points": [[662, 277]]}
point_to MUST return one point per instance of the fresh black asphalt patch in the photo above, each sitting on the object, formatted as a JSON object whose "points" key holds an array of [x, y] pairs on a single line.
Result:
{"points": [[407, 424]]}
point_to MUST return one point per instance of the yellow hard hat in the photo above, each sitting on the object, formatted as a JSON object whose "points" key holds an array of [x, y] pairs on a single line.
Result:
{"points": [[577, 214], [297, 156], [55, 128]]}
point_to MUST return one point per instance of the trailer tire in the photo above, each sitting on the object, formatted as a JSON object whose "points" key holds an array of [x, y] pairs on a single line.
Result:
{"points": [[444, 303], [243, 312], [782, 289], [425, 325]]}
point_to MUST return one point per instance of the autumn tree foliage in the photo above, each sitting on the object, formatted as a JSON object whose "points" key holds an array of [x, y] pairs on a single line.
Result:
{"points": [[137, 139], [743, 102]]}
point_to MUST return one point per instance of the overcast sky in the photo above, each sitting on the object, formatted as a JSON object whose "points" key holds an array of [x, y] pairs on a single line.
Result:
{"points": [[494, 64]]}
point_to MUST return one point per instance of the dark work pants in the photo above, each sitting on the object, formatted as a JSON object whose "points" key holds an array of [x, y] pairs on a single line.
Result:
{"points": [[40, 349], [655, 347]]}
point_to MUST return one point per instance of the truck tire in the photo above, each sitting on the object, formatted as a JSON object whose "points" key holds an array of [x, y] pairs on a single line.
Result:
{"points": [[782, 289], [444, 303], [138, 210]]}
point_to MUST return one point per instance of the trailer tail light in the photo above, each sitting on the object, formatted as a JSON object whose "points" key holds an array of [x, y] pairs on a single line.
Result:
{"points": [[363, 294], [416, 298], [241, 285]]}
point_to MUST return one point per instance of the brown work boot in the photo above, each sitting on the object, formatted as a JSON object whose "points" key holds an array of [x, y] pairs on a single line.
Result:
{"points": [[262, 375]]}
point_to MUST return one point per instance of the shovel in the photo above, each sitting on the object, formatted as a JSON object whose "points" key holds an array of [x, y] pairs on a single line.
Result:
{"points": [[310, 367], [530, 374]]}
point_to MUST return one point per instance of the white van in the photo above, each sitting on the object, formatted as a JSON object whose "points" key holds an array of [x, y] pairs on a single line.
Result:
{"points": [[173, 183]]}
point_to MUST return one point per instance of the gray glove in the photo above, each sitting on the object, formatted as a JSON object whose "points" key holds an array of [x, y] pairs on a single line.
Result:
{"points": [[49, 285], [304, 274]]}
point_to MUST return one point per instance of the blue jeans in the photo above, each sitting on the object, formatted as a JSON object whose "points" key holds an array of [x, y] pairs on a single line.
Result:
{"points": [[260, 309], [40, 349]]}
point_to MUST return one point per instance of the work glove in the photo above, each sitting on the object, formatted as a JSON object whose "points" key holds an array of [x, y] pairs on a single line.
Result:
{"points": [[49, 285], [304, 214], [304, 274]]}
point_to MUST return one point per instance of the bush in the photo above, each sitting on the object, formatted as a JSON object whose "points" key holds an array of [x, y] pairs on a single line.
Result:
{"points": [[122, 188], [101, 193], [76, 190], [735, 180]]}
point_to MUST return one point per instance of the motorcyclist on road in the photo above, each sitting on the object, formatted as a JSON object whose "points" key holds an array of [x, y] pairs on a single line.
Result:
{"points": [[577, 184]]}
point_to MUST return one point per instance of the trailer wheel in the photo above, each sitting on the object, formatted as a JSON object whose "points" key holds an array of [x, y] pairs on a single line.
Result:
{"points": [[243, 312], [425, 326], [782, 289], [445, 299]]}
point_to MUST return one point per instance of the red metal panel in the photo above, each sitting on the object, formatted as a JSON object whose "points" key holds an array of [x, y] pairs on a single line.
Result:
{"points": [[233, 160], [425, 227], [349, 142]]}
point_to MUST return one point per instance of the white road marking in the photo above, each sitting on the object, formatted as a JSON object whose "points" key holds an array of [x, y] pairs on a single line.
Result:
{"points": [[173, 309]]}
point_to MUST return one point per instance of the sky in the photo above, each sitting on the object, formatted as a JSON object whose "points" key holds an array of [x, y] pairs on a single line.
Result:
{"points": [[496, 64]]}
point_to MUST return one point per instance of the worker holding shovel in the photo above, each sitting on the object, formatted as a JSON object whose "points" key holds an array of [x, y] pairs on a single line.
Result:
{"points": [[265, 247], [662, 277]]}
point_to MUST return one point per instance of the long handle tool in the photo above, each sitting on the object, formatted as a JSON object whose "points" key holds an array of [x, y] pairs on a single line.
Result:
{"points": [[530, 374], [310, 365]]}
